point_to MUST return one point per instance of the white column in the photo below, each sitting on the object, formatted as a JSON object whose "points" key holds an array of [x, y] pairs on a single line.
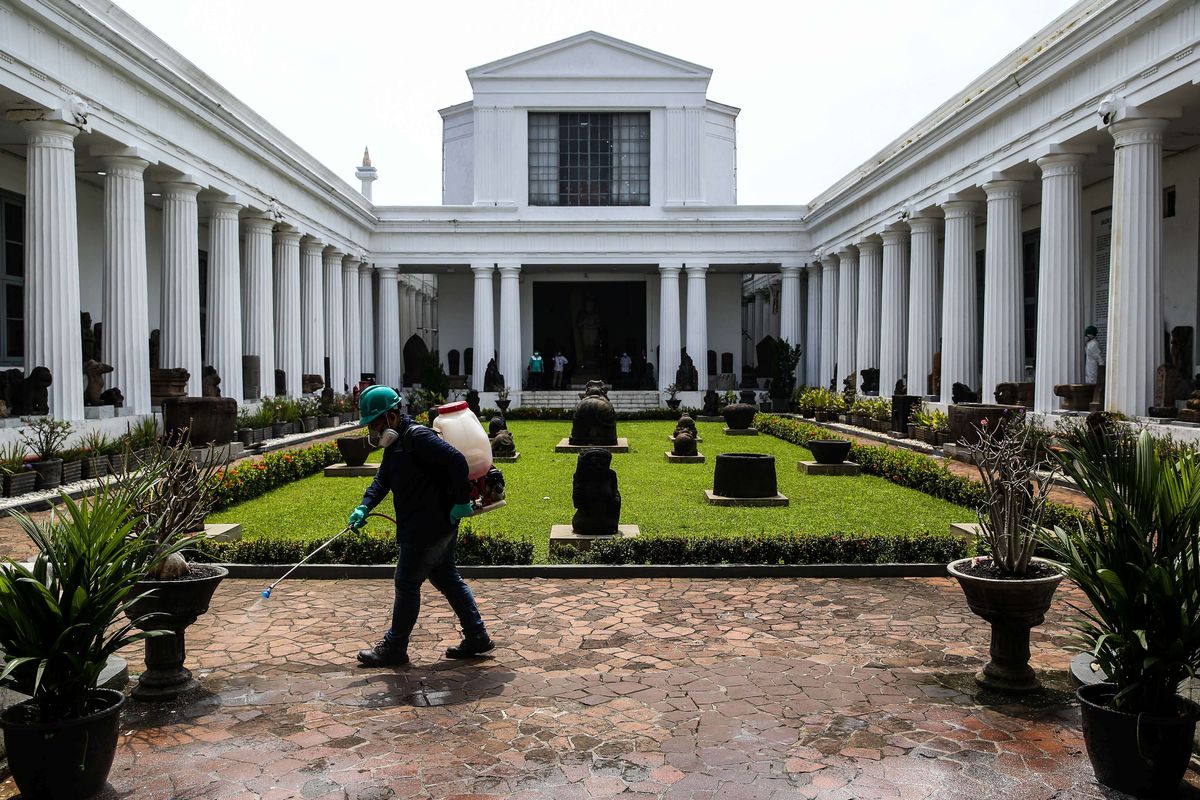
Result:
{"points": [[509, 361], [847, 316], [258, 297], [404, 298], [812, 338], [312, 326], [1135, 315], [427, 318], [765, 328], [52, 264], [483, 341], [366, 312], [1059, 357], [893, 322], [923, 290], [697, 321], [388, 360], [755, 313], [331, 318], [287, 311], [1003, 294], [180, 310], [668, 323], [789, 302], [223, 322], [870, 277], [960, 323], [747, 331], [772, 314], [126, 342], [352, 321], [829, 320]]}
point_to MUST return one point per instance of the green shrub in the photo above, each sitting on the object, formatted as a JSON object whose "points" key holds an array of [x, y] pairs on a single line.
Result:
{"points": [[567, 414], [361, 547], [777, 548]]}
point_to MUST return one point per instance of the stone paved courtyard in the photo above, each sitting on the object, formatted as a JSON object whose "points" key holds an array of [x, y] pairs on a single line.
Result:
{"points": [[622, 688]]}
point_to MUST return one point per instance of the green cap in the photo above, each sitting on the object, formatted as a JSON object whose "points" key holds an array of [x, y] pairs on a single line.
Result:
{"points": [[375, 401]]}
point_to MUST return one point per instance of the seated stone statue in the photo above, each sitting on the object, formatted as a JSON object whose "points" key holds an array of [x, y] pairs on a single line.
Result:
{"points": [[685, 443], [870, 380], [901, 387], [496, 425], [29, 396], [210, 382], [1015, 394], [94, 373], [112, 397], [472, 399], [686, 425], [595, 421], [327, 398], [961, 393], [595, 495], [309, 383], [712, 404], [493, 381], [503, 445], [686, 376]]}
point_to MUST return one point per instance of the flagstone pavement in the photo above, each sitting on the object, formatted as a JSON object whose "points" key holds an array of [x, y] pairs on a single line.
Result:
{"points": [[666, 688]]}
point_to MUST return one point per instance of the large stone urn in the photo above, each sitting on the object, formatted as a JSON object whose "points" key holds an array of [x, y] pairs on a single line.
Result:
{"points": [[745, 475], [829, 451], [738, 416], [180, 603], [1013, 606], [354, 449]]}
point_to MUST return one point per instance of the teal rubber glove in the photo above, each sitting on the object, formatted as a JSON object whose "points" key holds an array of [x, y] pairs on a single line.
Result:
{"points": [[461, 511], [358, 517]]}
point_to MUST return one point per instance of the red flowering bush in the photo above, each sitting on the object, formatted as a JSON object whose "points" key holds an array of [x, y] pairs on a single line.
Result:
{"points": [[251, 479]]}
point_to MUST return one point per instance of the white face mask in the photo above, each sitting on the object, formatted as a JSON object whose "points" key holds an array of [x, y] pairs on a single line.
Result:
{"points": [[385, 439]]}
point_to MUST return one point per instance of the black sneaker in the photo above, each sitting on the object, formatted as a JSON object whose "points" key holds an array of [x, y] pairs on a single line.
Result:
{"points": [[471, 646], [385, 653]]}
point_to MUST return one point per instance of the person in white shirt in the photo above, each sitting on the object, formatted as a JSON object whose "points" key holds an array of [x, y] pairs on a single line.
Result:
{"points": [[1093, 357], [560, 361]]}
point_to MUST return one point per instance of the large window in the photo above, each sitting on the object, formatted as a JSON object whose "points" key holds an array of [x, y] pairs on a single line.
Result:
{"points": [[12, 275], [585, 159]]}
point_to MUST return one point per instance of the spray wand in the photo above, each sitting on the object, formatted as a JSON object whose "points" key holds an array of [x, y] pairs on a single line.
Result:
{"points": [[266, 593]]}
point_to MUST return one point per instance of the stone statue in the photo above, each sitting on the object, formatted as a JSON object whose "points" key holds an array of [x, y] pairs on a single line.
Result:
{"points": [[94, 373], [155, 347], [685, 444], [901, 387], [595, 495], [496, 425], [686, 376], [280, 382], [712, 404], [166, 383], [311, 382], [870, 380], [595, 421], [503, 445], [961, 393], [88, 337], [29, 396], [327, 397], [210, 382], [686, 425], [472, 399], [112, 397], [1014, 394], [587, 334], [848, 392], [493, 381]]}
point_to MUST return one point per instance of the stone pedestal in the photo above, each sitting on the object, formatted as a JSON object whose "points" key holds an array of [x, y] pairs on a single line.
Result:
{"points": [[565, 446], [848, 468], [562, 537], [748, 502], [223, 531], [1075, 396], [514, 458], [741, 431], [674, 459], [206, 419], [344, 471]]}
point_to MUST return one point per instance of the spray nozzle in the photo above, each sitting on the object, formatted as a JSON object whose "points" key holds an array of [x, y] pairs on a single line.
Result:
{"points": [[266, 593]]}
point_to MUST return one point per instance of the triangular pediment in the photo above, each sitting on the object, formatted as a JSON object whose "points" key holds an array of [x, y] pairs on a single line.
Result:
{"points": [[590, 55]]}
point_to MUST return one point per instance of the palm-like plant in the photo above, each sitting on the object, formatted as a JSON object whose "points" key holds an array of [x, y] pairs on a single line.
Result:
{"points": [[1139, 566], [58, 617]]}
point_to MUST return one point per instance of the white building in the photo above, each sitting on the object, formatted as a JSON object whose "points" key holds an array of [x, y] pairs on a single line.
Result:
{"points": [[599, 180]]}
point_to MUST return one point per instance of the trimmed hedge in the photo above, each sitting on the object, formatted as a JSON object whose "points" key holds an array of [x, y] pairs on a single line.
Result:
{"points": [[908, 469], [776, 548], [568, 414], [251, 479], [360, 547]]}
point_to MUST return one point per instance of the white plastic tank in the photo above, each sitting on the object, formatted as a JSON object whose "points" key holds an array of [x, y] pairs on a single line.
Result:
{"points": [[463, 431]]}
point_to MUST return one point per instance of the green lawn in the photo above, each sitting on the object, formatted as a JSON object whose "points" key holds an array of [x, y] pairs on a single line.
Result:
{"points": [[657, 496]]}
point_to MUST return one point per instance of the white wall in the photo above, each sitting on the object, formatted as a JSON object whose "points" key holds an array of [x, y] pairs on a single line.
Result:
{"points": [[456, 315], [725, 319]]}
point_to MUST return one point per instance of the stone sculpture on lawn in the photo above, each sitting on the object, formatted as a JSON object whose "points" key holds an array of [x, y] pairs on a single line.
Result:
{"points": [[595, 494], [712, 404], [595, 421], [685, 443], [503, 445], [496, 425], [686, 425]]}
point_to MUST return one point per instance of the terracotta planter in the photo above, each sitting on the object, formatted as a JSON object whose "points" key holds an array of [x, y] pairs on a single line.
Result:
{"points": [[354, 450], [829, 451], [1012, 607], [180, 602]]}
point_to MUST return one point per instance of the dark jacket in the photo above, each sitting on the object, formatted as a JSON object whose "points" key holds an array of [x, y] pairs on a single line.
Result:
{"points": [[425, 475]]}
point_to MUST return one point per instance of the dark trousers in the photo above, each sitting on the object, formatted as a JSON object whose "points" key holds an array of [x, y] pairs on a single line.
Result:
{"points": [[422, 558]]}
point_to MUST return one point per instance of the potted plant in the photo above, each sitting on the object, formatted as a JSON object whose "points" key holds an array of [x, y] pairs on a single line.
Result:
{"points": [[673, 401], [45, 436], [1139, 566], [141, 442], [245, 427], [96, 449], [1009, 587], [502, 401], [327, 410], [72, 468], [59, 623], [19, 477], [169, 518], [354, 447], [307, 409]]}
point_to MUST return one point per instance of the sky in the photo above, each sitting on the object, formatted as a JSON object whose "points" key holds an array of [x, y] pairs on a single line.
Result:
{"points": [[822, 86]]}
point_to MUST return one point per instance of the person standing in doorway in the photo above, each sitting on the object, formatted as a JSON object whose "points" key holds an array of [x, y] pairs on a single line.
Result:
{"points": [[626, 366], [536, 370], [560, 363], [1093, 357], [430, 488]]}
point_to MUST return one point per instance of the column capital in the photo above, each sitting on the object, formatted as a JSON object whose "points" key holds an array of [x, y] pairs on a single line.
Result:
{"points": [[364, 268], [923, 224], [287, 236], [669, 270], [894, 235], [791, 268], [694, 268], [223, 210], [258, 224], [180, 190], [814, 267], [829, 261], [869, 246], [349, 264], [1061, 164], [847, 252], [331, 253], [388, 273], [1147, 130], [483, 269], [311, 243], [509, 268], [129, 166], [959, 209], [1003, 189]]}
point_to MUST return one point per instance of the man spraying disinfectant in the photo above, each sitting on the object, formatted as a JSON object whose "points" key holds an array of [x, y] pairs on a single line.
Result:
{"points": [[430, 486]]}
